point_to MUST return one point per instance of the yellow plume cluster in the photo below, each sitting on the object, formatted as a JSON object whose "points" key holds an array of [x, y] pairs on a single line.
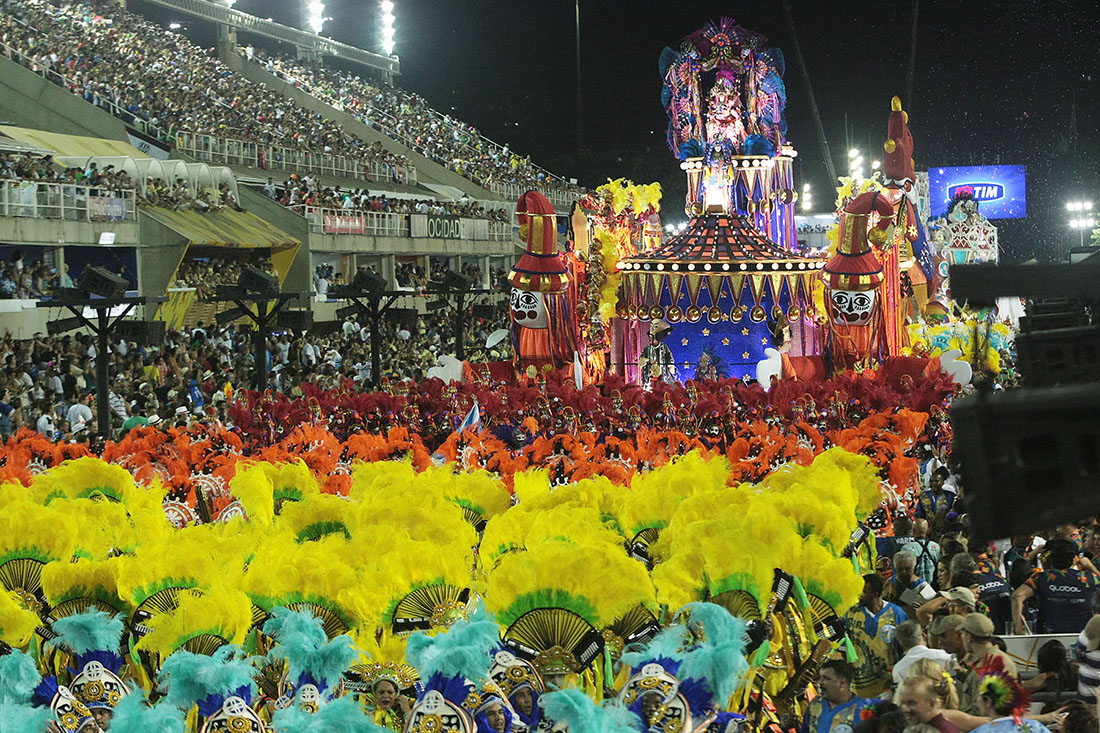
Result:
{"points": [[405, 540], [220, 612], [17, 624], [84, 478]]}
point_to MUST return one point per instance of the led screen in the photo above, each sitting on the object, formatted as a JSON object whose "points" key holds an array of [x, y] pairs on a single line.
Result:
{"points": [[999, 189]]}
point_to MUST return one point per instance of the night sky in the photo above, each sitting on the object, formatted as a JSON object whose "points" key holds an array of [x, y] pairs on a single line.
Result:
{"points": [[994, 82]]}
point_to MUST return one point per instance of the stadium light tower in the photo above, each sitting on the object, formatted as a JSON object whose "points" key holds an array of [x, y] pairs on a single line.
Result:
{"points": [[315, 15], [387, 26]]}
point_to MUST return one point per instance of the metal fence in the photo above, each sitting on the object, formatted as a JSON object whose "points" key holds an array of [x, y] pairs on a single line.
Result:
{"points": [[66, 201], [377, 224], [230, 151]]}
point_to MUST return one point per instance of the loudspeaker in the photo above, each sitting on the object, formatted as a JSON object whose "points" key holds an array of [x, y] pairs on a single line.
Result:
{"points": [[369, 282], [61, 325], [294, 320], [402, 317], [484, 310], [102, 282], [456, 281], [255, 280], [145, 333]]}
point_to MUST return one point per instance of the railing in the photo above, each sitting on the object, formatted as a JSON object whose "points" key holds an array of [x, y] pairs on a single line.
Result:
{"points": [[377, 223], [230, 151], [367, 223], [562, 201], [66, 201]]}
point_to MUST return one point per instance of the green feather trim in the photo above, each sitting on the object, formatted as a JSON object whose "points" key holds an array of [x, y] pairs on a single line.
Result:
{"points": [[287, 493], [318, 530], [850, 651], [548, 598], [106, 492], [32, 553], [650, 524], [146, 592], [270, 603], [826, 594], [736, 581], [762, 653], [387, 615], [467, 504]]}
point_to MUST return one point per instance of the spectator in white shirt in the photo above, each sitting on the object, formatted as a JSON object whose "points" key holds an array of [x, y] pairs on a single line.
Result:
{"points": [[910, 636], [80, 412]]}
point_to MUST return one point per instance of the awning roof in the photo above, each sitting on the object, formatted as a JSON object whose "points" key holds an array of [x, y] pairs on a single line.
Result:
{"points": [[71, 145], [225, 228]]}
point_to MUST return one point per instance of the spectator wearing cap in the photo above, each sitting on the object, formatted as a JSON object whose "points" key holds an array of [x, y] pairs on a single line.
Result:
{"points": [[977, 637], [944, 633], [1063, 591], [911, 639], [959, 601]]}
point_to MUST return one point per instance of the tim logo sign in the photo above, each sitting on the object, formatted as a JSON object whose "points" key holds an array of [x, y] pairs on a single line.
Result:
{"points": [[978, 191]]}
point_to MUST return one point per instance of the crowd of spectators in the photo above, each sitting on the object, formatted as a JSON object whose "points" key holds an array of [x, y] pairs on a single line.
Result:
{"points": [[33, 168], [206, 273], [408, 118], [48, 383], [304, 191], [143, 72], [34, 280], [948, 598]]}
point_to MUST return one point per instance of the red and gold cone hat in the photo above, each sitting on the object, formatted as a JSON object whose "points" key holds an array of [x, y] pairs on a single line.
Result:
{"points": [[541, 269]]}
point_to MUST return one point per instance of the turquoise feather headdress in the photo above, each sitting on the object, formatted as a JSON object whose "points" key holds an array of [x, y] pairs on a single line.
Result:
{"points": [[134, 715], [301, 640], [18, 678], [465, 650], [577, 711]]}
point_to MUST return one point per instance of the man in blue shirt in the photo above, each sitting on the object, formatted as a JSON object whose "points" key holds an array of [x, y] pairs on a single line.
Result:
{"points": [[836, 709]]}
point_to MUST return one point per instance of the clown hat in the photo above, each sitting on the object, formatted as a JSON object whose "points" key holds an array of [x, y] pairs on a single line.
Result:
{"points": [[854, 266], [541, 268]]}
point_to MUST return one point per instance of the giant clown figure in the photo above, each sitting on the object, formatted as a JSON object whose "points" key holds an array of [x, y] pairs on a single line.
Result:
{"points": [[544, 324], [853, 284]]}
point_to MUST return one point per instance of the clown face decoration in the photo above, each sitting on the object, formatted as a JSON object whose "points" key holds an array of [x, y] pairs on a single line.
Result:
{"points": [[529, 309], [852, 307]]}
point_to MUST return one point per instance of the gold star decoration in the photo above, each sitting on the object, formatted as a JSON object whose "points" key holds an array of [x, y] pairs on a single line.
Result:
{"points": [[683, 342], [686, 365], [726, 341], [764, 341], [725, 316], [744, 332], [706, 332], [745, 355]]}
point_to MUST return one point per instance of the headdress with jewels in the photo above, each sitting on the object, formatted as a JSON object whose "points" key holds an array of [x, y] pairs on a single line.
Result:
{"points": [[91, 640], [694, 666], [218, 687], [314, 665], [452, 664], [69, 713]]}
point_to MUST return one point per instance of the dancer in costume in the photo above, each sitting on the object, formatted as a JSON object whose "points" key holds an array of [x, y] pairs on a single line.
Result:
{"points": [[656, 359]]}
